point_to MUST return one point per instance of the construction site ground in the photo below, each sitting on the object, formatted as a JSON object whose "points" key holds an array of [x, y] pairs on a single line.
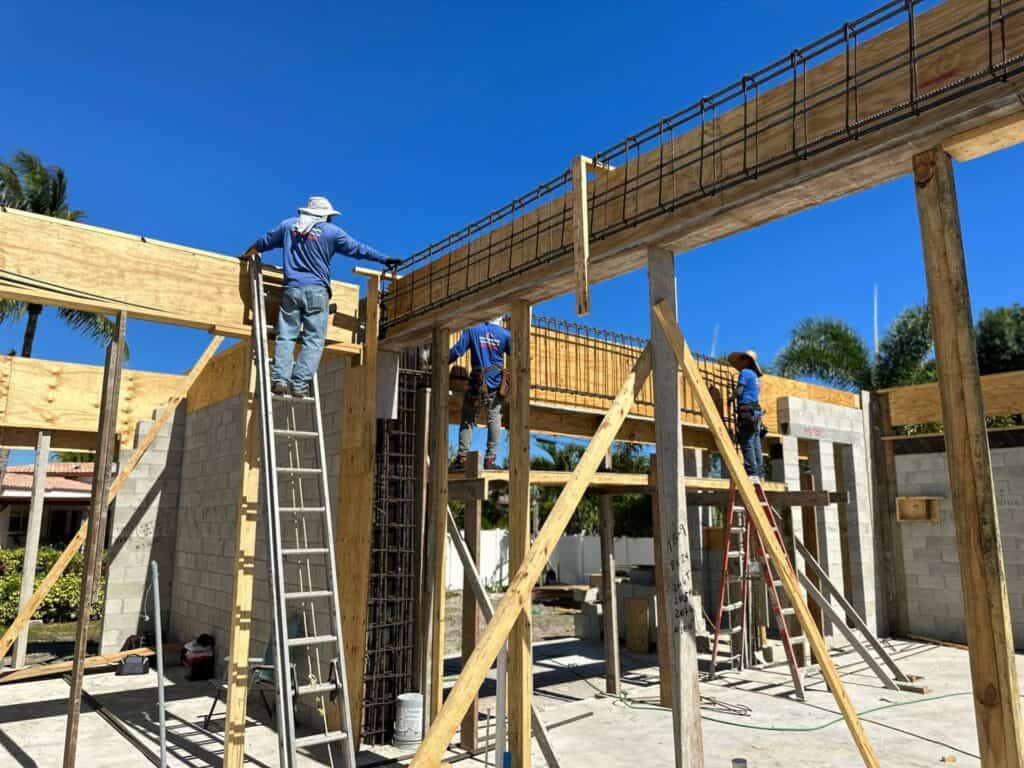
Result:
{"points": [[746, 715], [549, 621]]}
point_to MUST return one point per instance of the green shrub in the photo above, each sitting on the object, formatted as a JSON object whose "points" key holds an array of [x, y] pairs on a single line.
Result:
{"points": [[61, 604]]}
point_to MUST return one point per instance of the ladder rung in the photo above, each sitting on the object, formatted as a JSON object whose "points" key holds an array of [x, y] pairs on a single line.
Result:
{"points": [[734, 555], [312, 690], [795, 639], [732, 631], [293, 398], [296, 433], [298, 470], [300, 510], [787, 611], [307, 595], [736, 530], [297, 642], [320, 738], [732, 606], [305, 551]]}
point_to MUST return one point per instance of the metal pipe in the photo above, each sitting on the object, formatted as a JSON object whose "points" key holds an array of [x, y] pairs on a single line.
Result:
{"points": [[158, 633]]}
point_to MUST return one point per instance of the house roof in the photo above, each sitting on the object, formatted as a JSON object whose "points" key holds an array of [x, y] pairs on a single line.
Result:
{"points": [[65, 468], [64, 479]]}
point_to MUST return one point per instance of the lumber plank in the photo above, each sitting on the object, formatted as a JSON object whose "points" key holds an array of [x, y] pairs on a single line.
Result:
{"points": [[520, 642], [437, 512], [982, 573], [68, 264], [62, 562], [581, 233], [354, 516], [779, 557], [93, 539], [63, 667], [248, 507], [521, 584], [986, 139], [538, 258], [1002, 395]]}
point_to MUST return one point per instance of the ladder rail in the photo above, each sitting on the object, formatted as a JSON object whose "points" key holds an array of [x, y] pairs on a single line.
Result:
{"points": [[282, 657], [723, 590]]}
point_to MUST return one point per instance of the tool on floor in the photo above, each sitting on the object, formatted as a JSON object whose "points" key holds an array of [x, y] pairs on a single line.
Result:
{"points": [[739, 569], [309, 667]]}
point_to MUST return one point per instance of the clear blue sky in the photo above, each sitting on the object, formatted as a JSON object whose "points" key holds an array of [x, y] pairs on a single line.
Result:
{"points": [[205, 124]]}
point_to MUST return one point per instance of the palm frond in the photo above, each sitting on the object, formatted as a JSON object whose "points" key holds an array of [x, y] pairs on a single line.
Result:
{"points": [[98, 328], [828, 350], [11, 310], [29, 185], [906, 350]]}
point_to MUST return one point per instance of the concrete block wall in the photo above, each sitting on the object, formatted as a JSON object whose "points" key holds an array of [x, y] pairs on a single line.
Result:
{"points": [[143, 528], [829, 425], [934, 596]]}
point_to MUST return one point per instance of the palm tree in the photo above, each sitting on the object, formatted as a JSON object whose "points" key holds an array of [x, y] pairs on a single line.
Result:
{"points": [[830, 351], [28, 185]]}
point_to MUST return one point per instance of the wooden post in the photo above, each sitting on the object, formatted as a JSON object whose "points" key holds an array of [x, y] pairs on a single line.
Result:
{"points": [[680, 612], [248, 506], [883, 465], [124, 472], [438, 508], [609, 607], [424, 580], [472, 513], [520, 646], [94, 538], [521, 584], [35, 524], [982, 575], [354, 516], [774, 548], [664, 663], [581, 233]]}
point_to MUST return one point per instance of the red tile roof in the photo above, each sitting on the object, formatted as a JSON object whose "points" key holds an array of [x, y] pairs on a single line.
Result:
{"points": [[61, 476], [66, 468]]}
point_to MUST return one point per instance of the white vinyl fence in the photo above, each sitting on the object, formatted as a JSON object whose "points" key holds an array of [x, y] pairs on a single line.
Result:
{"points": [[574, 558]]}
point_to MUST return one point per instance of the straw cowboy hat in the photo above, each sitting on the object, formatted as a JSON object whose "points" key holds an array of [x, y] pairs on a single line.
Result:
{"points": [[319, 206], [736, 358]]}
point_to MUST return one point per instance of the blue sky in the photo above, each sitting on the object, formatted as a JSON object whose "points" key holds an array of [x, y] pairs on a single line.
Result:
{"points": [[205, 124]]}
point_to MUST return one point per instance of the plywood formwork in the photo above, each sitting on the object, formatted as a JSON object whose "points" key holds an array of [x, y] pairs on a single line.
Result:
{"points": [[66, 264], [842, 115], [1002, 393]]}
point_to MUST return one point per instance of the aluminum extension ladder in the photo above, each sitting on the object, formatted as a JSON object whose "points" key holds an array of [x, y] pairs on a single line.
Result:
{"points": [[737, 573], [303, 579]]}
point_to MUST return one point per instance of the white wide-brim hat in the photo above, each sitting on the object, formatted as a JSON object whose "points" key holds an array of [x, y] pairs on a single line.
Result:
{"points": [[736, 358], [319, 206]]}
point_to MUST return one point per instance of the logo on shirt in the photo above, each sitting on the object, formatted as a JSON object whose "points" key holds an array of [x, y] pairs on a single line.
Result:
{"points": [[490, 342]]}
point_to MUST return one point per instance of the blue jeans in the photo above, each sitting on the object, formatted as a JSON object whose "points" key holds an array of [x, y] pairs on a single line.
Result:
{"points": [[471, 401], [303, 315], [750, 444]]}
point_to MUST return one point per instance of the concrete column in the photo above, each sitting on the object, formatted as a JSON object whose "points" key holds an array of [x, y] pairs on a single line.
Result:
{"points": [[860, 533], [830, 554], [35, 525]]}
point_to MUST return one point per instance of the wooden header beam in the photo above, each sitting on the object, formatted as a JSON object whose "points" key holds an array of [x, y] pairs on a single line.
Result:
{"points": [[61, 263], [1001, 393], [857, 161]]}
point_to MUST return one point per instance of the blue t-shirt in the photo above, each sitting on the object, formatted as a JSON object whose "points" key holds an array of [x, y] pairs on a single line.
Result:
{"points": [[307, 258], [487, 344], [748, 387]]}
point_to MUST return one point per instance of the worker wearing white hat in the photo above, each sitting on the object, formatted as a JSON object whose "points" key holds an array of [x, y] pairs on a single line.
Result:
{"points": [[308, 240], [748, 411]]}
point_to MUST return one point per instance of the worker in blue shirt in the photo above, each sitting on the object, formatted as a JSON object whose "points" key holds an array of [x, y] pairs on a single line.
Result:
{"points": [[488, 343], [748, 411], [308, 240]]}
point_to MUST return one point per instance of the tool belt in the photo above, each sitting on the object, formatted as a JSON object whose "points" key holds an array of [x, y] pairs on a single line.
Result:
{"points": [[478, 381], [747, 415]]}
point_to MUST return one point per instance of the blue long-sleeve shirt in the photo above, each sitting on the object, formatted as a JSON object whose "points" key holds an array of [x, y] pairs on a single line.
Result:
{"points": [[748, 387], [307, 258], [487, 344]]}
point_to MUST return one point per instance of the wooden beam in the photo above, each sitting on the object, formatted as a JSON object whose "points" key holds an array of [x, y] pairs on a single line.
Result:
{"points": [[609, 605], [733, 189], [680, 611], [66, 264], [1002, 395], [986, 139], [777, 553], [91, 662], [581, 233], [982, 574], [62, 562], [521, 584], [244, 566], [35, 523], [94, 537], [354, 517], [520, 643], [471, 516], [437, 511], [778, 499]]}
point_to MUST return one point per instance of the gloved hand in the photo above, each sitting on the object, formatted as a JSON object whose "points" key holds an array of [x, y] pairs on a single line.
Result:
{"points": [[250, 255], [392, 265]]}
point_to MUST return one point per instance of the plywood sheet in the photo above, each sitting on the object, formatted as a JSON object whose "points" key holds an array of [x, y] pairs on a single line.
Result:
{"points": [[1002, 393]]}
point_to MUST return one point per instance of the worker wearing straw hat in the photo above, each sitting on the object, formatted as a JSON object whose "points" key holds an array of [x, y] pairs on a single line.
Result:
{"points": [[748, 411]]}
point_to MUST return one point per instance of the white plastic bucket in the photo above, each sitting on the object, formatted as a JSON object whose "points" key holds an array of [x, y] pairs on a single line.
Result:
{"points": [[409, 720]]}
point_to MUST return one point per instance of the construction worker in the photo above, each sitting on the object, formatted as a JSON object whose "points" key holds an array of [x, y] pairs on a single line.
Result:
{"points": [[748, 411], [488, 343], [308, 240]]}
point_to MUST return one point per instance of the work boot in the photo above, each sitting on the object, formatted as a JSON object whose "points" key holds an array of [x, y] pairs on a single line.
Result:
{"points": [[300, 390], [490, 463], [280, 388], [458, 465]]}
